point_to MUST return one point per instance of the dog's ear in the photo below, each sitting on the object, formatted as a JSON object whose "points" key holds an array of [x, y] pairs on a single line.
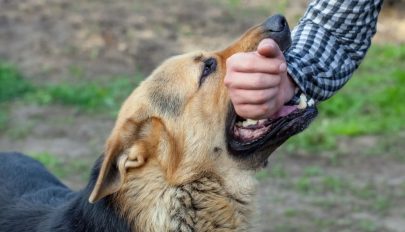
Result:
{"points": [[127, 148]]}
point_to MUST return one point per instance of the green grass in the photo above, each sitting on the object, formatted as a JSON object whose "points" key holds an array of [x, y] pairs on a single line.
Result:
{"points": [[262, 175], [12, 87], [276, 171], [312, 171], [51, 162], [367, 225], [63, 169], [3, 116], [321, 185], [372, 102], [234, 3], [12, 84], [84, 94]]}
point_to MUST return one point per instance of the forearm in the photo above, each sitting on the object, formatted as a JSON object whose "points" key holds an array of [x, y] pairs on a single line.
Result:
{"points": [[329, 43]]}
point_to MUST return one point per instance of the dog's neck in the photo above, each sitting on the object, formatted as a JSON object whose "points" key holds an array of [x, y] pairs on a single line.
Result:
{"points": [[201, 205], [151, 204]]}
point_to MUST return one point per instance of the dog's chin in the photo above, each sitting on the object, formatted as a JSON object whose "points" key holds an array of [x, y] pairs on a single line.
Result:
{"points": [[252, 142]]}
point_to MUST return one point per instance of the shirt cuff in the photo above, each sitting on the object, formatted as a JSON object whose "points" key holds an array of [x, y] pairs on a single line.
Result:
{"points": [[296, 75]]}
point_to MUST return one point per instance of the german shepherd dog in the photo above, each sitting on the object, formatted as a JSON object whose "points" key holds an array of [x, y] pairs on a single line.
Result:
{"points": [[178, 158]]}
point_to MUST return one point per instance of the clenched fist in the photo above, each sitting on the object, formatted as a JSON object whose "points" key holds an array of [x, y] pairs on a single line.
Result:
{"points": [[258, 82]]}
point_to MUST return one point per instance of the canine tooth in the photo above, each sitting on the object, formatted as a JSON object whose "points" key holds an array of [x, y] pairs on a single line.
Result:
{"points": [[311, 102], [249, 122], [303, 97], [303, 102]]}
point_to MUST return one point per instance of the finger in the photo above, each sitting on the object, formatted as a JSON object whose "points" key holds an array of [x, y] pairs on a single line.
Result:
{"points": [[251, 81], [256, 112], [269, 48], [254, 97], [252, 62]]}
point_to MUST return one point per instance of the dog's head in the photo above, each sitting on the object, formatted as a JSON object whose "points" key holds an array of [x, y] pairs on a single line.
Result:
{"points": [[180, 121]]}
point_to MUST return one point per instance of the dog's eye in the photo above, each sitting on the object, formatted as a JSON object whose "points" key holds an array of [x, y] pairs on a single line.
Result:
{"points": [[210, 66]]}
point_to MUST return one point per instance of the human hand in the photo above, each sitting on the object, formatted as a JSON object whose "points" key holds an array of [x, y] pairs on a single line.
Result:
{"points": [[258, 82]]}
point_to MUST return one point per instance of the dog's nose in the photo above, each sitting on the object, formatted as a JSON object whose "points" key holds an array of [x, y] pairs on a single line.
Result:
{"points": [[277, 28], [276, 23]]}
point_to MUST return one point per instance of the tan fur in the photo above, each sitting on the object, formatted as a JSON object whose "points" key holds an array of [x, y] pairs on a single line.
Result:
{"points": [[168, 144]]}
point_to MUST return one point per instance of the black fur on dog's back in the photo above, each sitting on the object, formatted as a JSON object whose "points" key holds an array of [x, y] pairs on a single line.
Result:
{"points": [[31, 199]]}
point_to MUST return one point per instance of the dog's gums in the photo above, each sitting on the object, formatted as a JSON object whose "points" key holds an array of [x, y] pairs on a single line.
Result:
{"points": [[249, 131]]}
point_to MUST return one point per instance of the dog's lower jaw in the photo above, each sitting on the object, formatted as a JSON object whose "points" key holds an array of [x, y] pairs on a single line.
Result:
{"points": [[202, 205]]}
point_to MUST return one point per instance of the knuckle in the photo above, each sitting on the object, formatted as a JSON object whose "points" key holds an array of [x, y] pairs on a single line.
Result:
{"points": [[229, 61], [275, 66], [242, 61], [248, 62], [234, 59]]}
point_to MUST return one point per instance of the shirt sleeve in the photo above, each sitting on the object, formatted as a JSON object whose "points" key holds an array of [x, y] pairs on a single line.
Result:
{"points": [[329, 43]]}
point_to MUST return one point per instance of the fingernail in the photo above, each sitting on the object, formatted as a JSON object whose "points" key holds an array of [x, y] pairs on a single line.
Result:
{"points": [[283, 67]]}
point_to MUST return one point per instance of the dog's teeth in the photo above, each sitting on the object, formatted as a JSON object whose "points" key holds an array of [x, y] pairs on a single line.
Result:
{"points": [[249, 122], [311, 102], [303, 102], [239, 124], [303, 97], [302, 105]]}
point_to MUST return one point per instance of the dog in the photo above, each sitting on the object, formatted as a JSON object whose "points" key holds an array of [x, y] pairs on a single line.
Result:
{"points": [[177, 159]]}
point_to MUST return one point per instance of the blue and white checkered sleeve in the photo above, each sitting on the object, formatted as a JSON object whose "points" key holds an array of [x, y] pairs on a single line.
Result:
{"points": [[329, 43]]}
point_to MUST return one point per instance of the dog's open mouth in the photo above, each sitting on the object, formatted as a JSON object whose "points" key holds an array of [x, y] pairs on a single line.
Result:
{"points": [[245, 136], [249, 131]]}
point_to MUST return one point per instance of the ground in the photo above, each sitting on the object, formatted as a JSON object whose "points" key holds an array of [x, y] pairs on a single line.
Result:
{"points": [[352, 181]]}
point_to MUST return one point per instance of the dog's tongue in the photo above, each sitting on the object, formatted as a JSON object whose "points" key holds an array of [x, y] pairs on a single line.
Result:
{"points": [[284, 111]]}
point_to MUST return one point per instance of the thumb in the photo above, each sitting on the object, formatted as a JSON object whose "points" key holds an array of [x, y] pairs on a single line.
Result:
{"points": [[268, 48]]}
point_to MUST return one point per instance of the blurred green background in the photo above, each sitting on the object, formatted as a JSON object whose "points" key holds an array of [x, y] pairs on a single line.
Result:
{"points": [[66, 66]]}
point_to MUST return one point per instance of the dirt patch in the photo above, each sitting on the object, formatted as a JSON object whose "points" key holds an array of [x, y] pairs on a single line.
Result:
{"points": [[349, 190], [65, 131], [391, 25], [49, 39], [60, 40]]}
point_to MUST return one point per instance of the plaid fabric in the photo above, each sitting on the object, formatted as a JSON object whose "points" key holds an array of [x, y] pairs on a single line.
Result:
{"points": [[329, 43]]}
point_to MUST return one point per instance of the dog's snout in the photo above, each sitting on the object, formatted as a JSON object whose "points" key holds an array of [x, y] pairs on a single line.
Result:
{"points": [[276, 28], [276, 23]]}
